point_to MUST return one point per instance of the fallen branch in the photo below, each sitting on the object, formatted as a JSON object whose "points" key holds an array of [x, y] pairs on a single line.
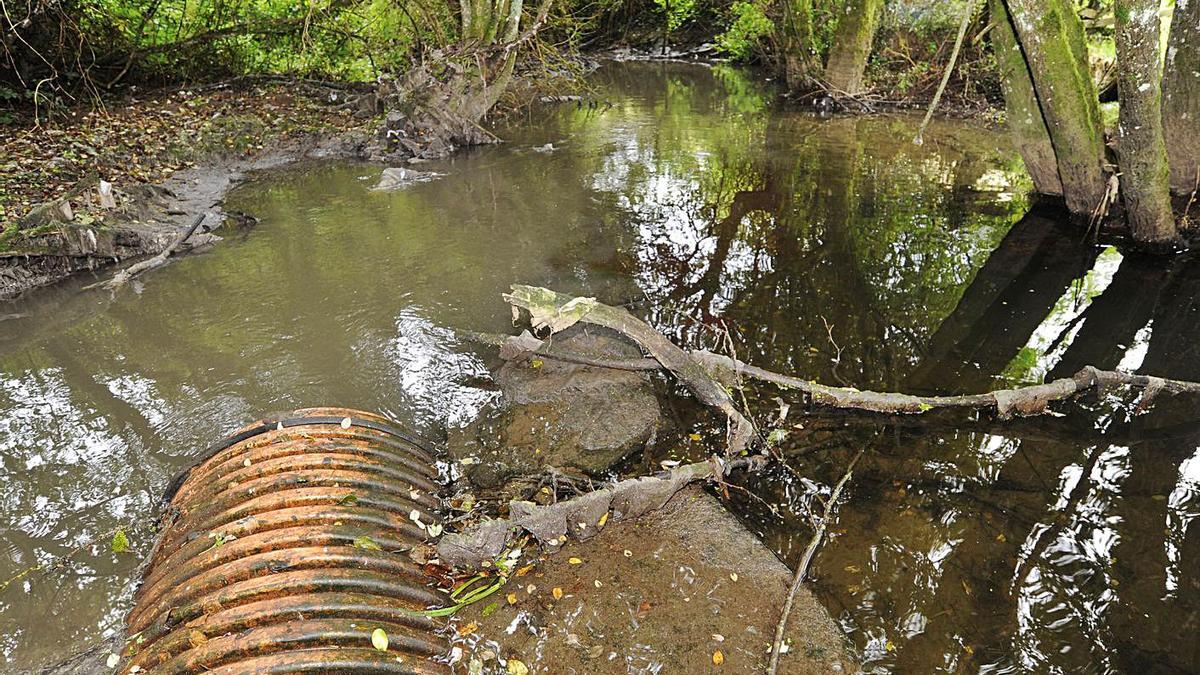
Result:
{"points": [[555, 312], [1030, 400], [805, 562], [1024, 401], [121, 278], [582, 517]]}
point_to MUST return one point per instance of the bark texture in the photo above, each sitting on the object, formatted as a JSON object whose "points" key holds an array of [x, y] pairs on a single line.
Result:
{"points": [[852, 45], [799, 51], [1145, 175], [1025, 120], [1181, 96], [1051, 36]]}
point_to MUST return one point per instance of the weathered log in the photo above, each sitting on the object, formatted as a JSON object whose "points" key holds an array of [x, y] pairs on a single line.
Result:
{"points": [[121, 278], [582, 517]]}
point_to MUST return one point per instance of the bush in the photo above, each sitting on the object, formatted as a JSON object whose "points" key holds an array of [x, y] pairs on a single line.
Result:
{"points": [[748, 28]]}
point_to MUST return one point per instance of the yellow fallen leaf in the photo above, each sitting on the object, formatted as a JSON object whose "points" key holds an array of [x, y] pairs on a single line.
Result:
{"points": [[695, 437], [516, 667], [575, 561], [718, 658], [557, 592], [603, 519], [512, 598]]}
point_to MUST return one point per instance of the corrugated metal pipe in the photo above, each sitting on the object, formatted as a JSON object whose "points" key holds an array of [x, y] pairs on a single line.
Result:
{"points": [[285, 549]]}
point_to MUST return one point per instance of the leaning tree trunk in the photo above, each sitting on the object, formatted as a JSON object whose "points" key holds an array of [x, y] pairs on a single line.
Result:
{"points": [[1181, 97], [852, 45], [1051, 36], [1029, 132], [438, 105], [1145, 175], [799, 50]]}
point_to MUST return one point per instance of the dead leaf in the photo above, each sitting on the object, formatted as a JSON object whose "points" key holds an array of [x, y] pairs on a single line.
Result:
{"points": [[718, 658]]}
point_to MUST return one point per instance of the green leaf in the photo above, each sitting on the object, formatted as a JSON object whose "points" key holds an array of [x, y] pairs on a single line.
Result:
{"points": [[349, 500], [367, 544], [120, 541], [379, 639]]}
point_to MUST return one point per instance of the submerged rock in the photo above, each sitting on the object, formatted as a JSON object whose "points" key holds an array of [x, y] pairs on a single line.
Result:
{"points": [[562, 415], [662, 593], [396, 178]]}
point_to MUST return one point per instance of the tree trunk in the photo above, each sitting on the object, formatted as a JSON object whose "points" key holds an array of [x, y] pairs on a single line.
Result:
{"points": [[852, 45], [1025, 120], [1051, 36], [1181, 96], [1145, 175], [799, 50]]}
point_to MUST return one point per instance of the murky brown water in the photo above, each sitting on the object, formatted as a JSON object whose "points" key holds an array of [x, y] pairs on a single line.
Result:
{"points": [[831, 248]]}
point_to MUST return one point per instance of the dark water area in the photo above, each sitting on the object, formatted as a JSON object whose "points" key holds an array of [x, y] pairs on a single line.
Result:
{"points": [[831, 248]]}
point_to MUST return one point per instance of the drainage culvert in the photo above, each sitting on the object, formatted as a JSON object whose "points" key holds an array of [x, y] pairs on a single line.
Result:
{"points": [[285, 550]]}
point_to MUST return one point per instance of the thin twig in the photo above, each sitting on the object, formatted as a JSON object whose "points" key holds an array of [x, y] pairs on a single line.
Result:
{"points": [[968, 13], [805, 562]]}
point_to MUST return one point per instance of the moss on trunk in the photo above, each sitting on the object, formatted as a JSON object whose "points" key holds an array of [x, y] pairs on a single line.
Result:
{"points": [[1143, 152], [799, 50], [1025, 120], [852, 45], [1181, 96], [1051, 36]]}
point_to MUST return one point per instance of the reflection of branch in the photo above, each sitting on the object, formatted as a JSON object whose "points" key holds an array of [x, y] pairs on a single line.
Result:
{"points": [[1060, 517]]}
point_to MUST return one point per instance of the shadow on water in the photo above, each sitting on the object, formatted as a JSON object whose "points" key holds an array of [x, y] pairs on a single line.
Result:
{"points": [[834, 249]]}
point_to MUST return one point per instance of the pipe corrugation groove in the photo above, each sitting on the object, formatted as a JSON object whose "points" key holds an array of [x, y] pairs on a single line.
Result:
{"points": [[286, 546]]}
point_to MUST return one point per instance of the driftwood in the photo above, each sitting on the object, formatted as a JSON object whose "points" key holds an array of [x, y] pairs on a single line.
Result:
{"points": [[121, 278], [581, 517], [555, 311]]}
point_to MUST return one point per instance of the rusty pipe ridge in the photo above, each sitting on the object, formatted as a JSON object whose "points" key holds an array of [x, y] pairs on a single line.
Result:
{"points": [[211, 522], [286, 546], [281, 587], [305, 417]]}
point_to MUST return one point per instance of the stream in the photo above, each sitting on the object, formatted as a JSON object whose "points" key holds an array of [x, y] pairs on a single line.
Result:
{"points": [[832, 248]]}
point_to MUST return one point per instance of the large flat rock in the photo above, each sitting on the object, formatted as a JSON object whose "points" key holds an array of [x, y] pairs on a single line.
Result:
{"points": [[657, 595], [561, 415]]}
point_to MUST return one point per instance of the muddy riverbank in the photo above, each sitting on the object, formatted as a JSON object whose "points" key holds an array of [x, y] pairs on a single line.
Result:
{"points": [[95, 188]]}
